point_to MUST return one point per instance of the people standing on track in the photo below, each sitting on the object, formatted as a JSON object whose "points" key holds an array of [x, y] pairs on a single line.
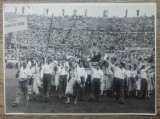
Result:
{"points": [[62, 79], [35, 79], [57, 73], [23, 75], [144, 83], [97, 75], [105, 82], [72, 89], [119, 75], [47, 75], [81, 77]]}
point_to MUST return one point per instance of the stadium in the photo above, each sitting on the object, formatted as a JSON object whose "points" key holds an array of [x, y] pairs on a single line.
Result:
{"points": [[82, 38]]}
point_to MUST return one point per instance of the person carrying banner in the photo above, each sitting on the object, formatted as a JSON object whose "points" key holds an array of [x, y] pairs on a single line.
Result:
{"points": [[23, 74], [81, 76]]}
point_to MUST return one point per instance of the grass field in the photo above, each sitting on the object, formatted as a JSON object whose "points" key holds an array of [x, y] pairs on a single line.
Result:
{"points": [[57, 105]]}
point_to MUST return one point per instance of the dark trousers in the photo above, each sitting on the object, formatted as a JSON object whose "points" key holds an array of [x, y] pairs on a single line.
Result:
{"points": [[30, 81], [119, 89], [22, 89], [88, 83], [47, 79], [144, 85], [62, 84], [81, 88], [126, 88], [95, 87], [113, 86], [76, 89]]}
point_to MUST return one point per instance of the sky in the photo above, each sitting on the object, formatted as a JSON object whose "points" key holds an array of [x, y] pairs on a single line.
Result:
{"points": [[93, 9]]}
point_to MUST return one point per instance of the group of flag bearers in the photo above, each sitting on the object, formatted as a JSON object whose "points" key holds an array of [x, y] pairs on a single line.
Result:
{"points": [[70, 78]]}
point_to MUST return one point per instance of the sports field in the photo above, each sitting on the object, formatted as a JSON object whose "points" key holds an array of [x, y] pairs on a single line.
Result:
{"points": [[57, 105]]}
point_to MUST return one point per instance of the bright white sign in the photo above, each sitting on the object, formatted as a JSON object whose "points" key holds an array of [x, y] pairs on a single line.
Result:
{"points": [[14, 25]]}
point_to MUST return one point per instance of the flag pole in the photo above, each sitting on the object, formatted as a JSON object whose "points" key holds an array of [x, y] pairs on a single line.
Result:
{"points": [[49, 35], [17, 49]]}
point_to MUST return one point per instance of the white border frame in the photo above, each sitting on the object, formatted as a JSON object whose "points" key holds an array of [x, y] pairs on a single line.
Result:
{"points": [[63, 114]]}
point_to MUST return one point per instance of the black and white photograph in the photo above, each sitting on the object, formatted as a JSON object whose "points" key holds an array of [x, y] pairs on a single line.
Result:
{"points": [[79, 58]]}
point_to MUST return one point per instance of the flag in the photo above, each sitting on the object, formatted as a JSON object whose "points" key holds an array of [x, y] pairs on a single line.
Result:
{"points": [[138, 12], [15, 10], [23, 10], [47, 10], [63, 12], [105, 13], [85, 13], [74, 12], [145, 13], [126, 13]]}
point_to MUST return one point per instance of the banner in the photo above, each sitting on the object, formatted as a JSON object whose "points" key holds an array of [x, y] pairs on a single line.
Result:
{"points": [[85, 13], [74, 12], [47, 10], [63, 12], [126, 13], [138, 12], [16, 10], [105, 13], [23, 10], [14, 25]]}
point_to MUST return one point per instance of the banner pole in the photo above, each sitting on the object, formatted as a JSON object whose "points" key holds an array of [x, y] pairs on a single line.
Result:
{"points": [[17, 49]]}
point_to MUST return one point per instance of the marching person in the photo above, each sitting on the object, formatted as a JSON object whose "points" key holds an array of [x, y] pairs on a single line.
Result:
{"points": [[138, 83], [29, 64], [105, 82], [97, 75], [35, 79], [88, 71], [72, 89], [23, 74], [119, 74], [144, 83], [128, 82], [81, 76], [46, 74], [62, 79], [149, 81], [57, 73]]}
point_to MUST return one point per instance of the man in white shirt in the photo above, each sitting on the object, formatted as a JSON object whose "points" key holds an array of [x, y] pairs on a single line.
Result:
{"points": [[34, 71], [97, 75], [88, 71], [128, 82], [47, 75], [81, 76], [119, 75], [144, 84], [23, 74], [62, 79]]}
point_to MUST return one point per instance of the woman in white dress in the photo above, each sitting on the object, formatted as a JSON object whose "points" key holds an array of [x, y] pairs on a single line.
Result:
{"points": [[149, 86], [105, 82], [70, 86], [138, 83], [57, 73]]}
